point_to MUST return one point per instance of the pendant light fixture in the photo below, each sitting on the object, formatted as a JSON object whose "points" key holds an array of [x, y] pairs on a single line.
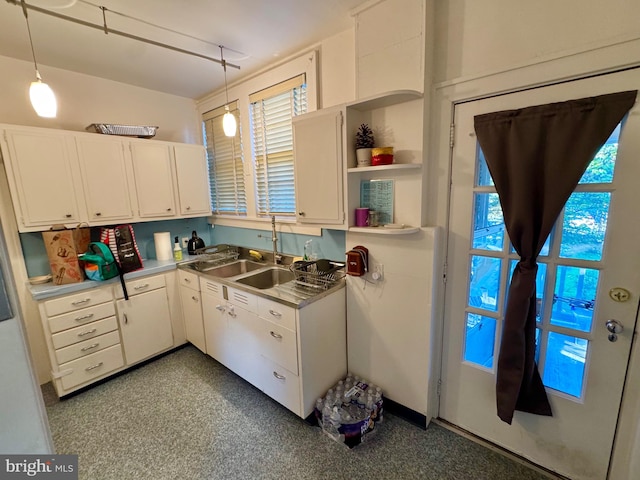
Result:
{"points": [[228, 120], [42, 98]]}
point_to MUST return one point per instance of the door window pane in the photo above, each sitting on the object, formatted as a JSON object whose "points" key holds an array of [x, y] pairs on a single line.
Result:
{"points": [[600, 170], [564, 364], [545, 248], [488, 224], [541, 277], [574, 298], [483, 177], [484, 286], [479, 340], [585, 225]]}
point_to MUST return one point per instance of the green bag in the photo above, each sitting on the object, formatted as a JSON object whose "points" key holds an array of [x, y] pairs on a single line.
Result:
{"points": [[99, 262]]}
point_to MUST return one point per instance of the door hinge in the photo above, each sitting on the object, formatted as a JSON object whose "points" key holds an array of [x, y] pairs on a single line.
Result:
{"points": [[452, 133], [439, 387], [444, 273]]}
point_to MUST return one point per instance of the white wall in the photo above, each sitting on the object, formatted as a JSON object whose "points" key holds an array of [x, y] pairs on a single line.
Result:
{"points": [[479, 37], [83, 100]]}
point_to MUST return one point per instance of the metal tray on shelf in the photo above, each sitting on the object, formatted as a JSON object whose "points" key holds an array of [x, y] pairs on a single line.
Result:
{"points": [[140, 131]]}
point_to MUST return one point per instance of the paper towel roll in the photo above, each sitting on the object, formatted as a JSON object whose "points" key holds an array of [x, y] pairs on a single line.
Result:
{"points": [[164, 248]]}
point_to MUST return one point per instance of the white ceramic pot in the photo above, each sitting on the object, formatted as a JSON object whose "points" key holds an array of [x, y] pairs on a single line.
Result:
{"points": [[363, 156]]}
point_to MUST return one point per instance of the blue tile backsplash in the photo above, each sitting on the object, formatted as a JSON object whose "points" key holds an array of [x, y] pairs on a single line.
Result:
{"points": [[330, 245]]}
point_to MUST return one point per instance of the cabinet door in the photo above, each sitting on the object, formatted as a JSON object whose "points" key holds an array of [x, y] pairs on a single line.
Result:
{"points": [[192, 314], [317, 143], [244, 340], [145, 325], [104, 176], [216, 329], [193, 180], [153, 179], [42, 170]]}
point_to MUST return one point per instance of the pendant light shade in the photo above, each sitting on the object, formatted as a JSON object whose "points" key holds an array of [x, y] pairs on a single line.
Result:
{"points": [[42, 98], [228, 120], [229, 123]]}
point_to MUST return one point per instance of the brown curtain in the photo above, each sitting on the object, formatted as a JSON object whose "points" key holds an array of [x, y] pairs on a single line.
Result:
{"points": [[536, 156]]}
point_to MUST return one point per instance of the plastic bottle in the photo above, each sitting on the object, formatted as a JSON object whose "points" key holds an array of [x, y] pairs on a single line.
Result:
{"points": [[177, 251], [308, 250]]}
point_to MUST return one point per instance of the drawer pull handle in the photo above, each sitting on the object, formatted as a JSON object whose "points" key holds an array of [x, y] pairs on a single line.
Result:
{"points": [[194, 298], [278, 376], [84, 349], [80, 302], [126, 320], [220, 308], [275, 335], [186, 280], [93, 367], [275, 313], [140, 287], [88, 332], [84, 317]]}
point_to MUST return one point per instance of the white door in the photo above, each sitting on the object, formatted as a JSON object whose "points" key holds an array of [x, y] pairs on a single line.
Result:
{"points": [[193, 180], [592, 250]]}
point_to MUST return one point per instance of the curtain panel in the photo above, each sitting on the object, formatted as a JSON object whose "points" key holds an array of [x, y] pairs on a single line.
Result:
{"points": [[536, 156]]}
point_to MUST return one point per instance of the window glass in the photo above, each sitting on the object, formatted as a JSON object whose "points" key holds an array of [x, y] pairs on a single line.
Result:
{"points": [[272, 143], [574, 297], [484, 286], [479, 340], [565, 363], [226, 164], [600, 170], [488, 224], [585, 225]]}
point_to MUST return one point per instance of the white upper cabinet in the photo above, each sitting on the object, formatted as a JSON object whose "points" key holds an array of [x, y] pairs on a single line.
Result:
{"points": [[193, 180], [104, 177], [318, 167], [153, 175], [42, 172]]}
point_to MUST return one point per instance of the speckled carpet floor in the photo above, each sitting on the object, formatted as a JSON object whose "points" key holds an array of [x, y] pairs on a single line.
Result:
{"points": [[185, 416]]}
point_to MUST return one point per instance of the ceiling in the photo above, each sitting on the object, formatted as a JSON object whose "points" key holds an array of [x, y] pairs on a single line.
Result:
{"points": [[255, 33]]}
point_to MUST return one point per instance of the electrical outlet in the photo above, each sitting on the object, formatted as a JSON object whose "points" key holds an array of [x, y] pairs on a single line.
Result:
{"points": [[378, 272], [185, 242]]}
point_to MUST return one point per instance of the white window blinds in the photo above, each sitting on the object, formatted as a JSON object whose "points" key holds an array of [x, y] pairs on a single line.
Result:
{"points": [[272, 139], [226, 171]]}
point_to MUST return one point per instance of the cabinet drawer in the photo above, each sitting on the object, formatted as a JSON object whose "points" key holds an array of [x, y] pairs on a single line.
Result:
{"points": [[87, 347], [189, 280], [278, 313], [71, 303], [281, 385], [80, 317], [243, 299], [92, 366], [212, 288], [141, 285], [84, 332], [279, 344]]}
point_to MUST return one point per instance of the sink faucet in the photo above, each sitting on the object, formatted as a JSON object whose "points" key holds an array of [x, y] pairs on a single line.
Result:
{"points": [[276, 257]]}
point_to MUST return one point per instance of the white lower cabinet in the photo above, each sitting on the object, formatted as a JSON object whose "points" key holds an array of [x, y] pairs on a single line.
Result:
{"points": [[191, 300], [293, 355], [95, 333], [144, 319]]}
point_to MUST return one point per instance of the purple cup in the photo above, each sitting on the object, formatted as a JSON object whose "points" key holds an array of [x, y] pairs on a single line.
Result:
{"points": [[362, 217]]}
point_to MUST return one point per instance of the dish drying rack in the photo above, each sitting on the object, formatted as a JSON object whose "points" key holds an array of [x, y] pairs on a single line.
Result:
{"points": [[209, 257], [318, 274]]}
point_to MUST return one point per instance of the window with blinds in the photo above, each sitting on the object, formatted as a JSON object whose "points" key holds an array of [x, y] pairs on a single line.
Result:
{"points": [[272, 111], [226, 171]]}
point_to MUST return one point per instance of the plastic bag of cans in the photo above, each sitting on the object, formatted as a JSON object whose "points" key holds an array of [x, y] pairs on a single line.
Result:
{"points": [[350, 410]]}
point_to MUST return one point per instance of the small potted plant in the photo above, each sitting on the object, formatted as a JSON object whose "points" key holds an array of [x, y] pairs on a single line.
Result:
{"points": [[364, 144]]}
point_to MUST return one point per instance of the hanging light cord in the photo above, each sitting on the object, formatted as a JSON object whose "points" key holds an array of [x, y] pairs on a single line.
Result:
{"points": [[224, 66], [33, 52]]}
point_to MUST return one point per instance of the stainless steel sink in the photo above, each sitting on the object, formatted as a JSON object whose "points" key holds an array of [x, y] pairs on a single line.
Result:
{"points": [[232, 269], [268, 278]]}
